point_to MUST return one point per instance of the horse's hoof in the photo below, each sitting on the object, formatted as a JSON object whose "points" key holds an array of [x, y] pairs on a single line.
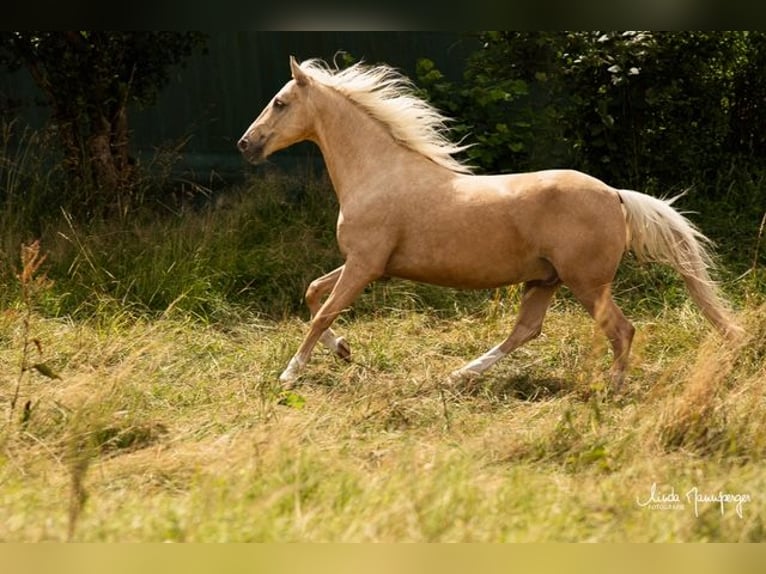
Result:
{"points": [[617, 386], [462, 376], [290, 375], [287, 379], [343, 349]]}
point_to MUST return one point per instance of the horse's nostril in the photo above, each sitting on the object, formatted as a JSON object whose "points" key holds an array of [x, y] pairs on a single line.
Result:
{"points": [[242, 144]]}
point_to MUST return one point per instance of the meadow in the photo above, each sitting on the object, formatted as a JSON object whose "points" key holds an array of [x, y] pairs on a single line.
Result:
{"points": [[139, 365]]}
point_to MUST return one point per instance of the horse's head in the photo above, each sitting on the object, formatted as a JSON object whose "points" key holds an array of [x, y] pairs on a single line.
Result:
{"points": [[283, 122]]}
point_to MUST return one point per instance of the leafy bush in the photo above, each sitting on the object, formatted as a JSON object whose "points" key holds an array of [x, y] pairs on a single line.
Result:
{"points": [[637, 109]]}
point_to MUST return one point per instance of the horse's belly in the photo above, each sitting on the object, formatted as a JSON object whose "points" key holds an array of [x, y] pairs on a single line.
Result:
{"points": [[469, 269]]}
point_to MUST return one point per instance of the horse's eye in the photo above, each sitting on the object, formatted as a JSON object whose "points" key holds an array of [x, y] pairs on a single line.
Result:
{"points": [[279, 103]]}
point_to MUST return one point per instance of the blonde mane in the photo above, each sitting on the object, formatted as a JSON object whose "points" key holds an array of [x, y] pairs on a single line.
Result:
{"points": [[389, 97]]}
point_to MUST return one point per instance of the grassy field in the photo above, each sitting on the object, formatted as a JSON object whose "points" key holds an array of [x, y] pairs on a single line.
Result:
{"points": [[141, 403], [168, 429]]}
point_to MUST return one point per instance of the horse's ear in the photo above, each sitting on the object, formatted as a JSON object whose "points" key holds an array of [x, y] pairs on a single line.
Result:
{"points": [[299, 75]]}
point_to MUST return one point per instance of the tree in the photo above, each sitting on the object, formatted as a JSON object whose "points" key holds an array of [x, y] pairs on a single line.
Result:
{"points": [[89, 79], [510, 104], [634, 108]]}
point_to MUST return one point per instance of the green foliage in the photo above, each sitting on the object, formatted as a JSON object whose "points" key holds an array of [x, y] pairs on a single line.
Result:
{"points": [[653, 106], [482, 106], [637, 109]]}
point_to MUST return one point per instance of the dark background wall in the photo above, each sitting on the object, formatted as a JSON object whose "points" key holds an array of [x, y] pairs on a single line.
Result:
{"points": [[212, 100]]}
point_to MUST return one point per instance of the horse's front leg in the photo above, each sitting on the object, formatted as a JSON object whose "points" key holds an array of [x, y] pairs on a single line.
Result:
{"points": [[351, 281], [314, 294]]}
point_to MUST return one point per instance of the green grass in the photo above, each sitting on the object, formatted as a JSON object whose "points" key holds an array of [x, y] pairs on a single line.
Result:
{"points": [[167, 429]]}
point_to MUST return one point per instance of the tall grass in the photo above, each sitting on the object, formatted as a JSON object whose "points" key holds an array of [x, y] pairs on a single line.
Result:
{"points": [[167, 429], [200, 261]]}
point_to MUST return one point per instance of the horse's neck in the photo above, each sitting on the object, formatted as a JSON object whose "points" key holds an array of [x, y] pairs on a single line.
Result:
{"points": [[356, 147]]}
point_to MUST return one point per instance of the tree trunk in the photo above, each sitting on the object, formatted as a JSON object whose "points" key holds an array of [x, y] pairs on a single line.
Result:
{"points": [[100, 158], [109, 166]]}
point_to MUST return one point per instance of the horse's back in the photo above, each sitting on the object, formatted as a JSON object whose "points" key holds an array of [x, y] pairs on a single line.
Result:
{"points": [[563, 215], [555, 199]]}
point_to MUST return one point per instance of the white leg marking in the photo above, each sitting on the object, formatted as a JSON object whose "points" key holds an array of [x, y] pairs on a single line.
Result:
{"points": [[328, 340], [337, 345], [291, 372], [478, 366]]}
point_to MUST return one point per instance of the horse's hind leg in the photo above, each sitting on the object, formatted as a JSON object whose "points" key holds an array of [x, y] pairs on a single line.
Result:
{"points": [[599, 303], [314, 294], [534, 303]]}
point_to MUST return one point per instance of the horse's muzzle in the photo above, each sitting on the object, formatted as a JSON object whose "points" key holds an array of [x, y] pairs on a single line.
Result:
{"points": [[253, 151]]}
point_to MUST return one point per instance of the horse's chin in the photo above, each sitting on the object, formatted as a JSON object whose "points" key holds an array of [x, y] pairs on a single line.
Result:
{"points": [[255, 152], [255, 156]]}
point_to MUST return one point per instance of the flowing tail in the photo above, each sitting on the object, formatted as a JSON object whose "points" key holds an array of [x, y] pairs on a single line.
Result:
{"points": [[657, 232]]}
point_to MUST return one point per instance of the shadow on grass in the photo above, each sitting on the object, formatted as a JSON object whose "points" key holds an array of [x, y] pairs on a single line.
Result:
{"points": [[523, 387]]}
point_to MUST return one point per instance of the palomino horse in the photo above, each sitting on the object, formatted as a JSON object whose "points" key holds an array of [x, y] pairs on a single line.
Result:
{"points": [[409, 209]]}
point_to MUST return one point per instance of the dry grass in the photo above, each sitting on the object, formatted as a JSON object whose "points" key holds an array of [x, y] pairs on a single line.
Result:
{"points": [[172, 430]]}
